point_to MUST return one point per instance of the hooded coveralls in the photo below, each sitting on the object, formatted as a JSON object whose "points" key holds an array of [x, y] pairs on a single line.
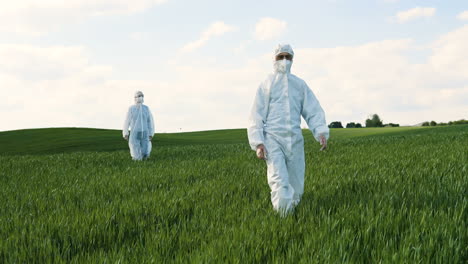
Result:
{"points": [[140, 120], [275, 122]]}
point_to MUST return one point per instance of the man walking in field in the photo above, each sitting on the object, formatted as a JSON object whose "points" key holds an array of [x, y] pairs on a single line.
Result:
{"points": [[140, 121], [274, 129]]}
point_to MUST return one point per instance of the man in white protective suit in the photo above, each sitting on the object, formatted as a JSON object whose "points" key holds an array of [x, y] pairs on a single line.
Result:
{"points": [[141, 124], [275, 133]]}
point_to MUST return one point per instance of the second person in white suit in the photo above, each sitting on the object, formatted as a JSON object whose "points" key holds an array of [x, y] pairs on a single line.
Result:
{"points": [[140, 122]]}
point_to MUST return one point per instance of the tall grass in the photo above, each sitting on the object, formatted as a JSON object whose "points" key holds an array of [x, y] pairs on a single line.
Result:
{"points": [[400, 196]]}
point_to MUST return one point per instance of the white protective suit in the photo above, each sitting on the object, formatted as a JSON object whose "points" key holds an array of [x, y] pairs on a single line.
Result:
{"points": [[275, 122], [140, 121]]}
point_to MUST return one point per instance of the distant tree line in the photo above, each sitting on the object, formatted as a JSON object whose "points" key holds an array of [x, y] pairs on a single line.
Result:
{"points": [[335, 124], [373, 121], [434, 123], [353, 125]]}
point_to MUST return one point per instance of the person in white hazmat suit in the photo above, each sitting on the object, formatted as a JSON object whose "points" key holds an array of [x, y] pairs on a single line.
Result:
{"points": [[141, 124], [274, 130]]}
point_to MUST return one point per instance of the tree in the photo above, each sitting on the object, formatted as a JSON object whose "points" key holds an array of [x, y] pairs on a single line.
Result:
{"points": [[374, 121], [335, 124], [460, 122], [434, 123], [392, 125], [353, 125]]}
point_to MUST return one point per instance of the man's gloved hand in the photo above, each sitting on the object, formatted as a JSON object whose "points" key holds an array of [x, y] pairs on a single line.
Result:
{"points": [[150, 138], [261, 152], [323, 142], [126, 137]]}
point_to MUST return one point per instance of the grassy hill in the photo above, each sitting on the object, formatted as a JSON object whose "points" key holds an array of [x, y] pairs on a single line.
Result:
{"points": [[63, 140], [390, 195], [60, 140]]}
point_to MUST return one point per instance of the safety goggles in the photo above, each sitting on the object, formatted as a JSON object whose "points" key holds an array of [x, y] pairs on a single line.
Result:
{"points": [[284, 56]]}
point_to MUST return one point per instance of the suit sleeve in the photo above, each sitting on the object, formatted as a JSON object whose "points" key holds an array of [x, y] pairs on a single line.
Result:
{"points": [[314, 115], [127, 122], [257, 119], [150, 123]]}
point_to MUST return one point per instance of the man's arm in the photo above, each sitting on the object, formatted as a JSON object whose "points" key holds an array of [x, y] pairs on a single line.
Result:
{"points": [[150, 124], [127, 124], [257, 119], [315, 117]]}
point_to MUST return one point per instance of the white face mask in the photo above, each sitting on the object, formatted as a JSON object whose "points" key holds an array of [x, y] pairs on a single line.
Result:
{"points": [[283, 66], [139, 100]]}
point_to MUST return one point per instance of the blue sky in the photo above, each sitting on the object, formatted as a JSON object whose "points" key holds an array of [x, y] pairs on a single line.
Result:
{"points": [[78, 63]]}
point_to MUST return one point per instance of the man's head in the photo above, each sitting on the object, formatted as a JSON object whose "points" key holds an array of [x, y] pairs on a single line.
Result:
{"points": [[139, 96], [284, 55], [284, 51]]}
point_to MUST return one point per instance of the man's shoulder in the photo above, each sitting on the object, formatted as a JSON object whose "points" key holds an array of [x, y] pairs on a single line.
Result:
{"points": [[147, 108], [294, 78], [298, 82]]}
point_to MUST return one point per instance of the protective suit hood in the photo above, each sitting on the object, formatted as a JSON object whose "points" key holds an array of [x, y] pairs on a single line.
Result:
{"points": [[284, 48], [283, 66], [139, 97]]}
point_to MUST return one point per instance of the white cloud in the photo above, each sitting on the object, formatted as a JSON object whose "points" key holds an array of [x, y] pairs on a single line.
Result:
{"points": [[33, 17], [450, 56], [353, 82], [53, 86], [33, 62], [268, 28], [463, 15], [216, 29], [59, 86], [415, 13], [140, 36]]}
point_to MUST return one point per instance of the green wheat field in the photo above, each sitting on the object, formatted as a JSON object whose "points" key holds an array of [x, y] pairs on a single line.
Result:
{"points": [[377, 195]]}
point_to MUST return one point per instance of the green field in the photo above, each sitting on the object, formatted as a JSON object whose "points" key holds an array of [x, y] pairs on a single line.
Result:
{"points": [[381, 195]]}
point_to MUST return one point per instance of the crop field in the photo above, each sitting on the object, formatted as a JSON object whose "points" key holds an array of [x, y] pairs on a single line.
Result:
{"points": [[377, 195]]}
